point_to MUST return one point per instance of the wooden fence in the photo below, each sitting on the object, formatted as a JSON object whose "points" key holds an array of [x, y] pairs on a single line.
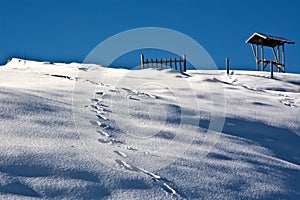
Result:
{"points": [[176, 64]]}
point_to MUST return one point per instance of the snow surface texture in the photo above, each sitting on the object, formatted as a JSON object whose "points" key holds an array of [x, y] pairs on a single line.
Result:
{"points": [[67, 132]]}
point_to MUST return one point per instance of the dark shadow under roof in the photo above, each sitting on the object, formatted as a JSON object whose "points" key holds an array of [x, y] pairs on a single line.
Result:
{"points": [[267, 40]]}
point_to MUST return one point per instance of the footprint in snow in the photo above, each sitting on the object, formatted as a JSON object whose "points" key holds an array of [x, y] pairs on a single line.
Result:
{"points": [[110, 141], [121, 154], [96, 100], [113, 90], [132, 98], [125, 165], [103, 133], [138, 93], [104, 141], [127, 89], [144, 94], [97, 107], [101, 116], [288, 102], [100, 93], [130, 148], [253, 88], [98, 123], [163, 183]]}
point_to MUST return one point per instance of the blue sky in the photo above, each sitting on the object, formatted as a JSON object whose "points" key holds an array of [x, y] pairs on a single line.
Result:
{"points": [[67, 30]]}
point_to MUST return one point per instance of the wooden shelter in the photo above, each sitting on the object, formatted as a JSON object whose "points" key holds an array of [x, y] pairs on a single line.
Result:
{"points": [[259, 41]]}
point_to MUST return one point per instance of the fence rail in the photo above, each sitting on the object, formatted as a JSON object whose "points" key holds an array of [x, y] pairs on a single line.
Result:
{"points": [[176, 64]]}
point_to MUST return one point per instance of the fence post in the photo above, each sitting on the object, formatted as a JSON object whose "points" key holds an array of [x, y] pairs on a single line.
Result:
{"points": [[227, 65], [184, 63], [147, 63], [166, 63], [142, 60], [180, 64]]}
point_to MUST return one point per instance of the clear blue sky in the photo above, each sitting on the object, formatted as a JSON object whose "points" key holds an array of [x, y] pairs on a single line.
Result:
{"points": [[67, 30]]}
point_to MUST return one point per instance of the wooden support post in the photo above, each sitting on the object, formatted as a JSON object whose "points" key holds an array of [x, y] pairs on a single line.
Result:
{"points": [[257, 58], [278, 56], [255, 55], [262, 58], [171, 63], [142, 61], [227, 65], [152, 63], [275, 55], [271, 69], [283, 58], [184, 63], [156, 62], [175, 64], [161, 64]]}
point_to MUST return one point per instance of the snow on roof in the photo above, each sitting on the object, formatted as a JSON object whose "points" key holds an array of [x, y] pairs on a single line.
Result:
{"points": [[267, 40]]}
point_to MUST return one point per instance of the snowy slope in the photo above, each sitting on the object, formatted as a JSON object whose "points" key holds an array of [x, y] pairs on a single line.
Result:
{"points": [[82, 131]]}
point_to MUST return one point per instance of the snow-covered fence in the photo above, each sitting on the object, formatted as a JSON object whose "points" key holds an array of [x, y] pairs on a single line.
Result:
{"points": [[176, 64]]}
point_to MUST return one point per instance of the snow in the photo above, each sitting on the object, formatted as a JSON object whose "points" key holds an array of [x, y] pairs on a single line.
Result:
{"points": [[82, 131]]}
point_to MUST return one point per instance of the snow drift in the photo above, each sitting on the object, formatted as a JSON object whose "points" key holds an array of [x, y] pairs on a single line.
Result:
{"points": [[83, 131]]}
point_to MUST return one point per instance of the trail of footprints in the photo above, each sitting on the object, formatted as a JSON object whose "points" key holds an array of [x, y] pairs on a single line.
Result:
{"points": [[285, 99], [288, 101], [102, 113]]}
